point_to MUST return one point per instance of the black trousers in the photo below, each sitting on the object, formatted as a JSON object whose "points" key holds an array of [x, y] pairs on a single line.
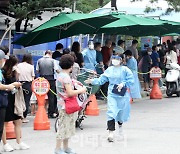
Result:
{"points": [[111, 125], [27, 96], [104, 88], [2, 118], [52, 98]]}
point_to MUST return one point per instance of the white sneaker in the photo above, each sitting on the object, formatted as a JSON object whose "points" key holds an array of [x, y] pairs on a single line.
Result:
{"points": [[111, 136], [25, 120], [1, 151], [69, 151], [59, 151], [21, 146], [121, 133], [7, 148]]}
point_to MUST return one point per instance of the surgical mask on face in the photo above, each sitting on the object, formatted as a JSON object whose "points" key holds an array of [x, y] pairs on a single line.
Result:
{"points": [[127, 58], [149, 53], [115, 62], [61, 51], [91, 46]]}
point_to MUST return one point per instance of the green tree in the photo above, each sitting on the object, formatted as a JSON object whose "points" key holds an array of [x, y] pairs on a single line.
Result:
{"points": [[174, 5], [87, 6], [28, 10]]}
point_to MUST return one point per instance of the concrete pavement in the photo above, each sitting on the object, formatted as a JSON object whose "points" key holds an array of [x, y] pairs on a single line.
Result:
{"points": [[154, 128]]}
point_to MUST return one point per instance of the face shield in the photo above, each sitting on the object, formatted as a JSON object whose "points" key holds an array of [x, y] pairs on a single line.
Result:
{"points": [[91, 45], [116, 60]]}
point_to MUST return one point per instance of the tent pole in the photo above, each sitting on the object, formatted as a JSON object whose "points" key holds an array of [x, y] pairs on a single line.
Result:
{"points": [[160, 39], [88, 37], [10, 41], [80, 41], [102, 39]]}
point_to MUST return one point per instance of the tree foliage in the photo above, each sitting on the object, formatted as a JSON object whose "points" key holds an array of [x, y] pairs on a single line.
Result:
{"points": [[30, 9], [87, 6], [174, 5]]}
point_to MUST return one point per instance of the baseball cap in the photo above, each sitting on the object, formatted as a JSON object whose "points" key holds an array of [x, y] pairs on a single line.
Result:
{"points": [[3, 56]]}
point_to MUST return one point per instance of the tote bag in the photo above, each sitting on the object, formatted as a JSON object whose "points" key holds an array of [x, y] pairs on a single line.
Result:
{"points": [[71, 103]]}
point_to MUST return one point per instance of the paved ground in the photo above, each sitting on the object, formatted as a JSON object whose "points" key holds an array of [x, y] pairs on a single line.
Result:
{"points": [[154, 128]]}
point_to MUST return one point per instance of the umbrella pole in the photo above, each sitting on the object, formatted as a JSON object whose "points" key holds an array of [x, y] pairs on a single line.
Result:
{"points": [[72, 40], [88, 37], [102, 39], [160, 39], [10, 41], [80, 41]]}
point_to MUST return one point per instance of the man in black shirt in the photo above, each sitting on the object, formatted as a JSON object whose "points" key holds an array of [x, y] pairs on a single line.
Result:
{"points": [[59, 52], [161, 56]]}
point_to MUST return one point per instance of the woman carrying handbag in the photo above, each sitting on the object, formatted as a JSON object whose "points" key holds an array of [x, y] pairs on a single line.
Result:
{"points": [[66, 105]]}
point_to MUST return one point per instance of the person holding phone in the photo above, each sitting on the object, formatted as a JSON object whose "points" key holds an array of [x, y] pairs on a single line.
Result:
{"points": [[3, 92], [10, 72]]}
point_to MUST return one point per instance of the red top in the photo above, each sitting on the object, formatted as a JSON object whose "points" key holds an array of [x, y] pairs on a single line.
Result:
{"points": [[178, 55], [178, 60], [106, 52]]}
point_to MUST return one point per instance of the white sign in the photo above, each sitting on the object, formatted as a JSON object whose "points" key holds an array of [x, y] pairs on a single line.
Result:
{"points": [[155, 72], [40, 86]]}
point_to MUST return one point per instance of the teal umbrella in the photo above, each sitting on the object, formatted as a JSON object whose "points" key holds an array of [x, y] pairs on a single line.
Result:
{"points": [[65, 25], [165, 28], [172, 34], [139, 26]]}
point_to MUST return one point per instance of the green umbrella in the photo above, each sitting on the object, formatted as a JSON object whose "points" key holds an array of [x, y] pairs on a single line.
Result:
{"points": [[65, 25], [172, 34], [160, 30], [138, 26]]}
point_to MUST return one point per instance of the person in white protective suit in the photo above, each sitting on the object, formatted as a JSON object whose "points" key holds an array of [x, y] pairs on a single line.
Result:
{"points": [[120, 78], [89, 56]]}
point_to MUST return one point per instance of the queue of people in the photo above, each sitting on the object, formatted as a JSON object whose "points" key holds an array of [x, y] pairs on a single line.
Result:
{"points": [[9, 84], [161, 56], [118, 70]]}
